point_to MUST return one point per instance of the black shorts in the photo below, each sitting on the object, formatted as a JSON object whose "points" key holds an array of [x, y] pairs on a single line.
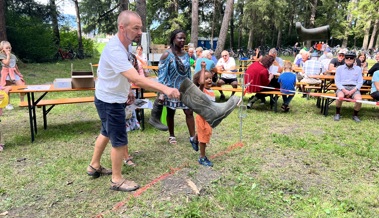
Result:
{"points": [[228, 81]]}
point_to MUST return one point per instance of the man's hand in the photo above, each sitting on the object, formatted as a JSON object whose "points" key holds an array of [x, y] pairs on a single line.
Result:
{"points": [[172, 93], [131, 98]]}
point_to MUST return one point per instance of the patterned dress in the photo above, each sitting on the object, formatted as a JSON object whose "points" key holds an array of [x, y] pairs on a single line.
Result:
{"points": [[172, 73]]}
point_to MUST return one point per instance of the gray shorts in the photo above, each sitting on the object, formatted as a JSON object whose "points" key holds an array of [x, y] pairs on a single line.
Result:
{"points": [[349, 88]]}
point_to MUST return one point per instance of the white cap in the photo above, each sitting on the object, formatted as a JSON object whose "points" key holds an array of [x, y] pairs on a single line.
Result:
{"points": [[342, 51]]}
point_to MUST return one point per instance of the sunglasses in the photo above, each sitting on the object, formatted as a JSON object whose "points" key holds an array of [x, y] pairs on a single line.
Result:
{"points": [[349, 58], [225, 55]]}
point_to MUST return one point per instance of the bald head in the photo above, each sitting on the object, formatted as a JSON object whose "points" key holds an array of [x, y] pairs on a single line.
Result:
{"points": [[125, 17]]}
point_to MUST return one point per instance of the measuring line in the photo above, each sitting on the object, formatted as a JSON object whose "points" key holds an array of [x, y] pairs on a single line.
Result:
{"points": [[141, 190]]}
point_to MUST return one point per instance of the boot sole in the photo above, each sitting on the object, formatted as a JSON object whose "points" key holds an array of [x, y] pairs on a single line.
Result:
{"points": [[158, 126]]}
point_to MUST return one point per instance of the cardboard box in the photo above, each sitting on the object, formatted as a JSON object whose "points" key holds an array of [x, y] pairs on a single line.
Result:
{"points": [[62, 83], [82, 79]]}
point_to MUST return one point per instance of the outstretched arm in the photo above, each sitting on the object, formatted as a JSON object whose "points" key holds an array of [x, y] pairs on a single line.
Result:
{"points": [[202, 76]]}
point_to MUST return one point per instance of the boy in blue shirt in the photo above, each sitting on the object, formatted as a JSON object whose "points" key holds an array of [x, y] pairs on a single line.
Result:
{"points": [[287, 81]]}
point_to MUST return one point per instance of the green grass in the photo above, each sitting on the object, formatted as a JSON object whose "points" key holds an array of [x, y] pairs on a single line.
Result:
{"points": [[296, 164]]}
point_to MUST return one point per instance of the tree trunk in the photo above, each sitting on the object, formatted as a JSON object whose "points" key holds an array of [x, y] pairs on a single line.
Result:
{"points": [[79, 31], [251, 39], [367, 34], [3, 27], [213, 22], [231, 42], [279, 40], [349, 19], [313, 14], [54, 21], [224, 27], [141, 10], [195, 22], [124, 5], [373, 34]]}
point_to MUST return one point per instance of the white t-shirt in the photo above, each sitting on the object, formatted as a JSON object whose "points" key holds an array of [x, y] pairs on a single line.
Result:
{"points": [[111, 85], [230, 64]]}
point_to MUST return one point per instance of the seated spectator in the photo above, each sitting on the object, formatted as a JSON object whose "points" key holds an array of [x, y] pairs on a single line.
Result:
{"points": [[287, 81], [299, 59], [142, 61], [210, 65], [348, 80], [198, 50], [326, 61], [311, 67], [361, 61], [226, 63], [325, 53], [375, 86], [338, 61], [10, 71], [375, 67], [256, 76], [214, 59], [191, 54]]}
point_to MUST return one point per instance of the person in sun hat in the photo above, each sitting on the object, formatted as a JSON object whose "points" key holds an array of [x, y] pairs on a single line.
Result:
{"points": [[339, 60], [348, 80]]}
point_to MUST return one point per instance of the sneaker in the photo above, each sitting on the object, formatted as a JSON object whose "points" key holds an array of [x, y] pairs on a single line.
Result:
{"points": [[205, 162], [337, 117], [9, 107], [195, 145], [1, 147], [356, 119], [222, 97]]}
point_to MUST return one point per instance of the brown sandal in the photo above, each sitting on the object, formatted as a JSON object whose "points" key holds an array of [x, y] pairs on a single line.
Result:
{"points": [[96, 173], [124, 186]]}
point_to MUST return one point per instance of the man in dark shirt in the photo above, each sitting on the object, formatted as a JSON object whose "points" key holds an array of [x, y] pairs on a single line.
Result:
{"points": [[338, 61]]}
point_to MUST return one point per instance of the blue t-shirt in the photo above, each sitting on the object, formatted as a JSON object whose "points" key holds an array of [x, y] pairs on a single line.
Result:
{"points": [[209, 64], [375, 78], [287, 82]]}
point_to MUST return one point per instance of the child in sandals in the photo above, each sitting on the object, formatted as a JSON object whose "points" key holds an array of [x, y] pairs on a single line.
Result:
{"points": [[203, 79]]}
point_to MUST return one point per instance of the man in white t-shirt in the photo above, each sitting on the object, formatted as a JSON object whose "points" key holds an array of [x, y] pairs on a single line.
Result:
{"points": [[226, 64], [113, 92]]}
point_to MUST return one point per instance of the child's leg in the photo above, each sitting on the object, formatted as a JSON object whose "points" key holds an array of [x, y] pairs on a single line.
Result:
{"points": [[12, 74], [202, 149], [4, 74]]}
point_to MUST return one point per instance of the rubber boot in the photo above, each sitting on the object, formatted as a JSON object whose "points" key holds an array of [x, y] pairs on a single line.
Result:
{"points": [[196, 100], [155, 118]]}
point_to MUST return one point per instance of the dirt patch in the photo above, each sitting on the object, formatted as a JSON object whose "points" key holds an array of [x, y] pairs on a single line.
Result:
{"points": [[180, 183], [297, 168]]}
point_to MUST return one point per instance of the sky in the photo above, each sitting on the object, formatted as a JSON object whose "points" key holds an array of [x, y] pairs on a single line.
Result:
{"points": [[65, 5]]}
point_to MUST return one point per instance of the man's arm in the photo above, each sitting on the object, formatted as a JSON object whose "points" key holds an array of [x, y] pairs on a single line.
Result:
{"points": [[143, 82]]}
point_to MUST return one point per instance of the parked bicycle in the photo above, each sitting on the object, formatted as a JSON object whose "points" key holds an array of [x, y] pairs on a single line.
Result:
{"points": [[61, 54]]}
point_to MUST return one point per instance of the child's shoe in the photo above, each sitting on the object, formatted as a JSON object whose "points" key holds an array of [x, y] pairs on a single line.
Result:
{"points": [[205, 162], [9, 107]]}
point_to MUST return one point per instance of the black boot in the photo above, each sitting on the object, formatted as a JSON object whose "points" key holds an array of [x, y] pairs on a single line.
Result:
{"points": [[196, 100], [155, 118], [251, 101]]}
